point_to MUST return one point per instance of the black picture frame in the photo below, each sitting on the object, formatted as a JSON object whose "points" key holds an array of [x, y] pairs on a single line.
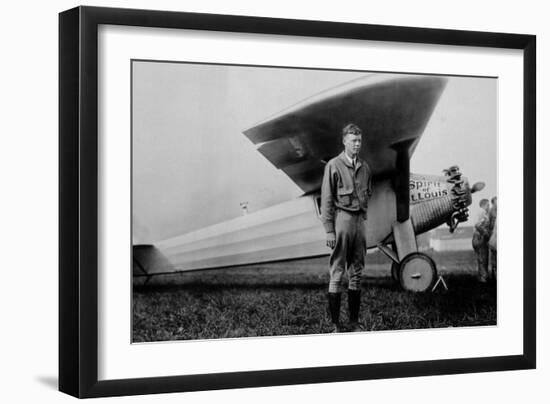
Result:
{"points": [[78, 200]]}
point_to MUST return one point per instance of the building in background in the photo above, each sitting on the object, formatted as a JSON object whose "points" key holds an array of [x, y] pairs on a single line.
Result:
{"points": [[441, 239]]}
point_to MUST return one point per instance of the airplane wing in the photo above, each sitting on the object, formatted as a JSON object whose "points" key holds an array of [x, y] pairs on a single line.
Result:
{"points": [[391, 110]]}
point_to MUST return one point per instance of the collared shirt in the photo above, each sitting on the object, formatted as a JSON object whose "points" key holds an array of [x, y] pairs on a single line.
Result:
{"points": [[344, 187], [482, 216], [352, 161]]}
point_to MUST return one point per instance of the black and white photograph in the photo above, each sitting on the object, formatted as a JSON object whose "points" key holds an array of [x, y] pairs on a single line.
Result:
{"points": [[276, 200]]}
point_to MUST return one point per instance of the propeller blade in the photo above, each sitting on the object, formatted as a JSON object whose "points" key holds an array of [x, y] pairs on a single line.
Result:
{"points": [[478, 186]]}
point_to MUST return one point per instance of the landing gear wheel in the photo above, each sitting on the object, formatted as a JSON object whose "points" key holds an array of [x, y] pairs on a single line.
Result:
{"points": [[417, 272], [394, 266], [395, 271]]}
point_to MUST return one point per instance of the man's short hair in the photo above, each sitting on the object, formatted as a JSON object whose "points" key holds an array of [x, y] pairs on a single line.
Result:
{"points": [[493, 199], [483, 202], [351, 129]]}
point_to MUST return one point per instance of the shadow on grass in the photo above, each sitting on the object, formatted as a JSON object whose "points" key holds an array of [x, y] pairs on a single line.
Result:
{"points": [[204, 286]]}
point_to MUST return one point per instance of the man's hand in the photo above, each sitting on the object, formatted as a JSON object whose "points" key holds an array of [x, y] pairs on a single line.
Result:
{"points": [[331, 240]]}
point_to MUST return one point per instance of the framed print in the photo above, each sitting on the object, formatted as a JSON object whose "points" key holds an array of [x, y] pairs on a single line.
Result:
{"points": [[251, 201]]}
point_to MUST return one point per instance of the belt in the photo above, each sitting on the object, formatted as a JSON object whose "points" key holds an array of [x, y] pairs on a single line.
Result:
{"points": [[351, 212]]}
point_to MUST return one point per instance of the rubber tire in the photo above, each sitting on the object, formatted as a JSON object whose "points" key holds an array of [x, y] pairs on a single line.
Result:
{"points": [[394, 265], [427, 274], [395, 271]]}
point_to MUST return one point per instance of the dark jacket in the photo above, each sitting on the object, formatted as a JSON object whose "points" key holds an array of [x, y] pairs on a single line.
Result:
{"points": [[344, 187], [482, 231]]}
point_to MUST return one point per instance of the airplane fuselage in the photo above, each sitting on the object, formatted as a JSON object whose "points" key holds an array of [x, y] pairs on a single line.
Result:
{"points": [[293, 229]]}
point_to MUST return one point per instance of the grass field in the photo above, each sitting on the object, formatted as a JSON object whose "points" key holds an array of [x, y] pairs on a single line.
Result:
{"points": [[289, 298]]}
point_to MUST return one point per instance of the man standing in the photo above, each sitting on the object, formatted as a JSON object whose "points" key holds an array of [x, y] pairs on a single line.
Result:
{"points": [[480, 240], [344, 200]]}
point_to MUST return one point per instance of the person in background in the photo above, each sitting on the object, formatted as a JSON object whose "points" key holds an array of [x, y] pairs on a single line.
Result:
{"points": [[493, 238], [480, 240]]}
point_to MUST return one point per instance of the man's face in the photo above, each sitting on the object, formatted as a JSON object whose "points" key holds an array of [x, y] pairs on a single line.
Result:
{"points": [[352, 144]]}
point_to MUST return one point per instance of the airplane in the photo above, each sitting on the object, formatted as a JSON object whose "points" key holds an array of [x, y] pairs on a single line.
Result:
{"points": [[393, 112]]}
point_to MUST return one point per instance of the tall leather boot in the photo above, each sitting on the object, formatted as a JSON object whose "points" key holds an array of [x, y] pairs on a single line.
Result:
{"points": [[354, 302], [334, 301]]}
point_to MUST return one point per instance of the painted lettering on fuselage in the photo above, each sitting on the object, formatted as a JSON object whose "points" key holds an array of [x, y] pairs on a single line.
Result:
{"points": [[422, 189]]}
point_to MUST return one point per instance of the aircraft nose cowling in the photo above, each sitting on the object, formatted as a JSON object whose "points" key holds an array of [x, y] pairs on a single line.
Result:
{"points": [[452, 208]]}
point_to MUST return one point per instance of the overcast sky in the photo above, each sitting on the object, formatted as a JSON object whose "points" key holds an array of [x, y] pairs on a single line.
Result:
{"points": [[192, 166]]}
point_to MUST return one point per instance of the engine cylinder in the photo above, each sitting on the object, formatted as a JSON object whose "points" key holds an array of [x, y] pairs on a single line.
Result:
{"points": [[430, 214]]}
